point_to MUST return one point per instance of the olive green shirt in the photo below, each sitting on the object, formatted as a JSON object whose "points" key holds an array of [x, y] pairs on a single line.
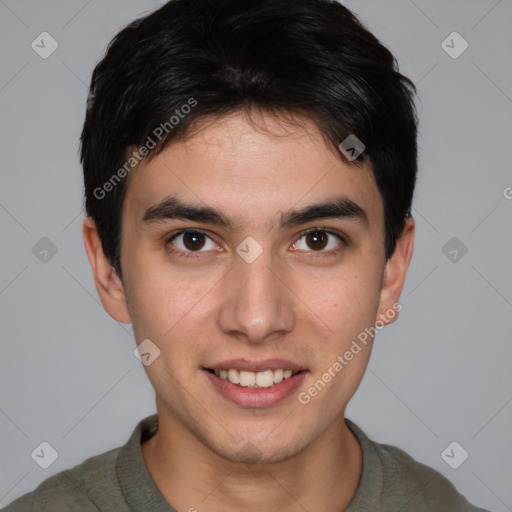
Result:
{"points": [[118, 481]]}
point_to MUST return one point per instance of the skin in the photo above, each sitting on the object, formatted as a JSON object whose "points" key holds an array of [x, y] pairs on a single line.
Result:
{"points": [[291, 302]]}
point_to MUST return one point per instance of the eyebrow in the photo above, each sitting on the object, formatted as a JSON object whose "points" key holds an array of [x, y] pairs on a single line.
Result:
{"points": [[173, 208]]}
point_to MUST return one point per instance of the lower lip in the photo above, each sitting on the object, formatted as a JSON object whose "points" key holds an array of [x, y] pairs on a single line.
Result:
{"points": [[256, 397]]}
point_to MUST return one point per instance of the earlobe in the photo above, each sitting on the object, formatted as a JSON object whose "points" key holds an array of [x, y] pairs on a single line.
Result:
{"points": [[395, 273], [108, 284]]}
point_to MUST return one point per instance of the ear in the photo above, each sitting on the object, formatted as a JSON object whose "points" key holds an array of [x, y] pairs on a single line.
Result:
{"points": [[109, 286], [394, 275]]}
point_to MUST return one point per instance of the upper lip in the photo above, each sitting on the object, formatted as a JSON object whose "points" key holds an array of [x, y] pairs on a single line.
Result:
{"points": [[256, 366]]}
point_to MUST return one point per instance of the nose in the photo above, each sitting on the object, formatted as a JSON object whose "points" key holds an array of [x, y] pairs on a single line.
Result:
{"points": [[257, 305]]}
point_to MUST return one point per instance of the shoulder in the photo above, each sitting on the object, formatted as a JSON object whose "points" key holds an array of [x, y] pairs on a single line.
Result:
{"points": [[77, 488], [417, 486], [393, 480]]}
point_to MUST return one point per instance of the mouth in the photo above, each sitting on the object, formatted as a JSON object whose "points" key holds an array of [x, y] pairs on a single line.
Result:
{"points": [[257, 380], [262, 388], [255, 383]]}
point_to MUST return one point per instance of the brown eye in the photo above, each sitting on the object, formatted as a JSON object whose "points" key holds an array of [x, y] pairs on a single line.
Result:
{"points": [[193, 240], [322, 241], [190, 241], [317, 240]]}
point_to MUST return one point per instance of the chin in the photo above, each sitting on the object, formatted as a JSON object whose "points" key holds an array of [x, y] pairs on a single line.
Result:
{"points": [[254, 452]]}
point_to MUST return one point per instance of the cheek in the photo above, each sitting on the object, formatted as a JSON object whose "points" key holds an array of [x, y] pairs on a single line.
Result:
{"points": [[343, 302], [166, 306]]}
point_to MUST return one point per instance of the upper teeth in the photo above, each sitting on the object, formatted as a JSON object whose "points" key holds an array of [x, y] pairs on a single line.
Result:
{"points": [[263, 379]]}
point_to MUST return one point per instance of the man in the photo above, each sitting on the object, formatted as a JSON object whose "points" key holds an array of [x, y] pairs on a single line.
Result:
{"points": [[249, 171]]}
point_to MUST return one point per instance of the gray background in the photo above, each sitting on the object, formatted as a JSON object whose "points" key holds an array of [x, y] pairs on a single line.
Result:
{"points": [[440, 374]]}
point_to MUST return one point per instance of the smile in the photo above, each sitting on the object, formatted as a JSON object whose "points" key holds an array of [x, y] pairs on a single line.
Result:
{"points": [[246, 379], [260, 389]]}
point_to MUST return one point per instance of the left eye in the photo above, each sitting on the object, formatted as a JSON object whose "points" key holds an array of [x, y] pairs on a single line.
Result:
{"points": [[318, 240]]}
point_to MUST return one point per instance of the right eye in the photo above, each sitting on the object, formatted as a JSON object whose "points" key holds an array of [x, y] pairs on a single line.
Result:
{"points": [[186, 242]]}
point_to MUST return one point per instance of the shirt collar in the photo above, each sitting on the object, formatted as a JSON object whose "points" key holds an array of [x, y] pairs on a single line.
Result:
{"points": [[371, 483], [138, 488]]}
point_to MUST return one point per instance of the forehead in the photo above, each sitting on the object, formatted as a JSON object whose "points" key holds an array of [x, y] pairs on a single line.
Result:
{"points": [[251, 171]]}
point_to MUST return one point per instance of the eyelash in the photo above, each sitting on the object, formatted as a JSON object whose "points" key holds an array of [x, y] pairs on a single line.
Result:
{"points": [[192, 254]]}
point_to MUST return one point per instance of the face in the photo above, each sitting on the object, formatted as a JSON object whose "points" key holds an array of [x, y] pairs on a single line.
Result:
{"points": [[250, 277]]}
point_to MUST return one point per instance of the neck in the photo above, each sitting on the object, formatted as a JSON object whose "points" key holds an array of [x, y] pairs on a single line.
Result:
{"points": [[322, 477]]}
